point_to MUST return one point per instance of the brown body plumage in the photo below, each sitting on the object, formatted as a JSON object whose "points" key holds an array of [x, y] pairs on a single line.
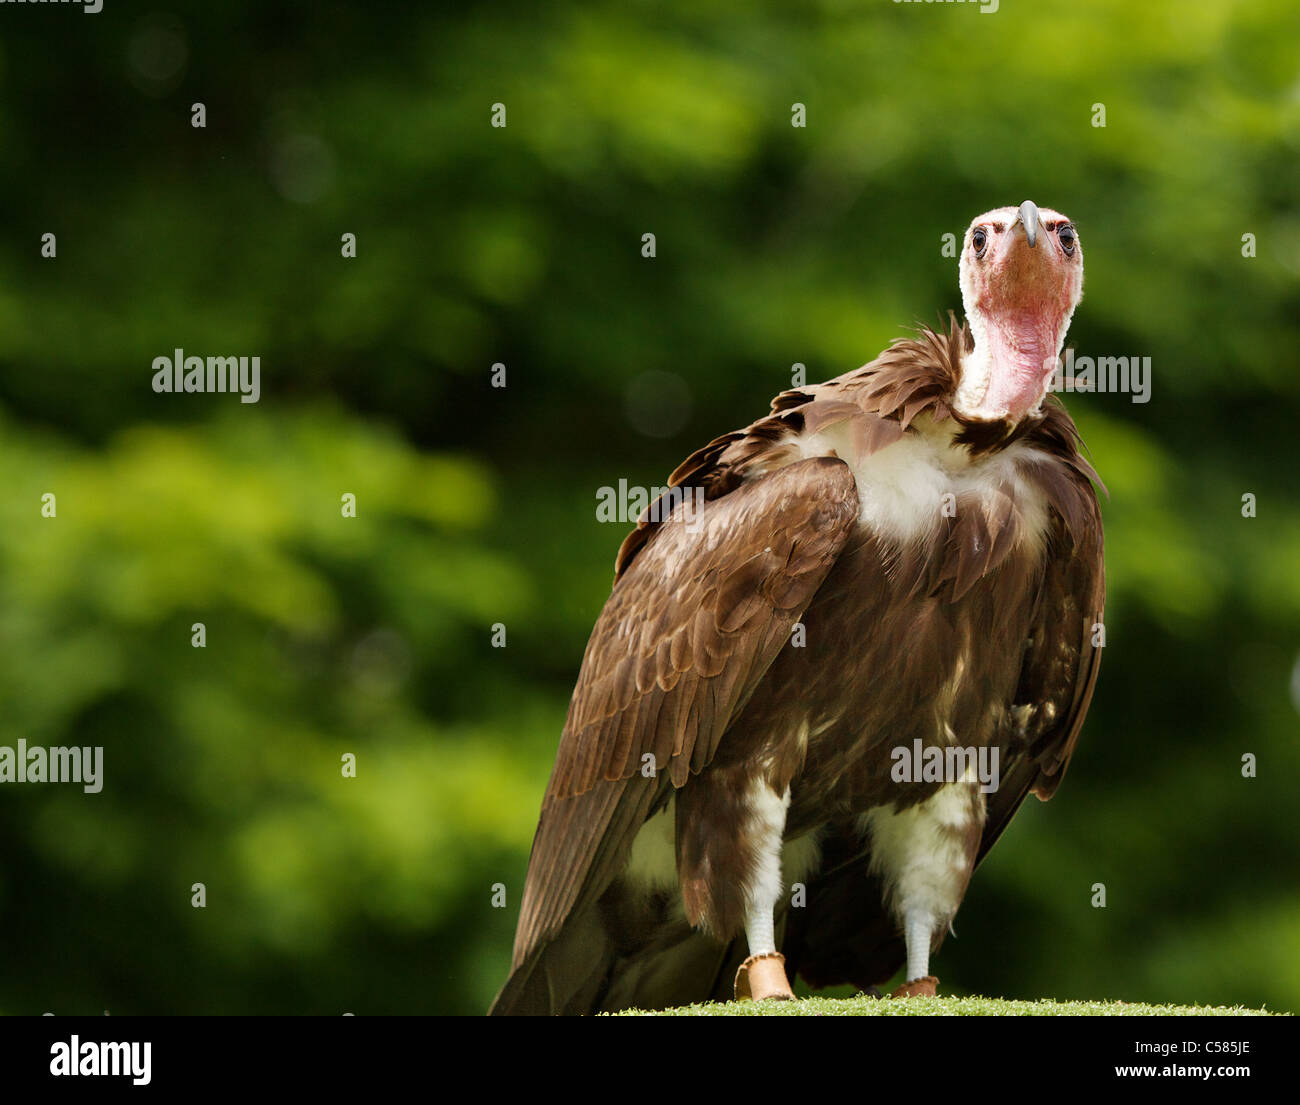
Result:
{"points": [[974, 627]]}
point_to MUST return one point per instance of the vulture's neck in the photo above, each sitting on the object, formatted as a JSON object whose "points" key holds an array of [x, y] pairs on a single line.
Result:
{"points": [[1007, 372]]}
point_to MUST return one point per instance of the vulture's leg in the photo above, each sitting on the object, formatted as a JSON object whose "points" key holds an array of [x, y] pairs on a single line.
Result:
{"points": [[918, 932], [925, 855], [762, 976], [730, 825]]}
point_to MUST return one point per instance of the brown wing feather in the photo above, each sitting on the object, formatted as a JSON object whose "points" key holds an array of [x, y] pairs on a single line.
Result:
{"points": [[692, 624], [1061, 662]]}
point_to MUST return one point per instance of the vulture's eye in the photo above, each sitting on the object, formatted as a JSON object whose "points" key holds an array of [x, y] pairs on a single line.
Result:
{"points": [[979, 239], [1066, 234]]}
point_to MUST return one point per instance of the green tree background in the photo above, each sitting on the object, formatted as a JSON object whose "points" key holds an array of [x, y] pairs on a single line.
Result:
{"points": [[522, 245]]}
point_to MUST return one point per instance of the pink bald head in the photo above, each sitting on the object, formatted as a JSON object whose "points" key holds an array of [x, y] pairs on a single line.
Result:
{"points": [[1021, 278]]}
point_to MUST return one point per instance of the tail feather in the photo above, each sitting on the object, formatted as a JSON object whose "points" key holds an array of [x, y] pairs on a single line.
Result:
{"points": [[590, 966], [564, 976]]}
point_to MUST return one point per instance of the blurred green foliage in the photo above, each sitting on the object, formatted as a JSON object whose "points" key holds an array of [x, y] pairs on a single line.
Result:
{"points": [[475, 505]]}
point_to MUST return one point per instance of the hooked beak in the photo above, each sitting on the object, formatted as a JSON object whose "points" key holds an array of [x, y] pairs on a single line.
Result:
{"points": [[1028, 216]]}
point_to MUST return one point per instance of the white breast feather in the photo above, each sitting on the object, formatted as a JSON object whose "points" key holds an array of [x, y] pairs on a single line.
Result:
{"points": [[902, 488]]}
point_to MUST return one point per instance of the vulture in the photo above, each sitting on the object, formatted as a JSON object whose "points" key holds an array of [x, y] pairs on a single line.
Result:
{"points": [[857, 634]]}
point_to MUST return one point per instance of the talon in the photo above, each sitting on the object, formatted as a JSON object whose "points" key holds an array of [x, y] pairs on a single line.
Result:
{"points": [[762, 978], [918, 988]]}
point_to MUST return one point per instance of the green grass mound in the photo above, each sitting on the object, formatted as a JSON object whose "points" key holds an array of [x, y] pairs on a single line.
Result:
{"points": [[864, 1006]]}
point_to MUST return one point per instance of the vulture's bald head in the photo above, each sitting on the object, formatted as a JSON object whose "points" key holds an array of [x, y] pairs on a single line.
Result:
{"points": [[1021, 278]]}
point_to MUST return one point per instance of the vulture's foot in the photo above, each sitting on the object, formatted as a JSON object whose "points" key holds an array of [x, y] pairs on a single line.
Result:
{"points": [[762, 978], [918, 988]]}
